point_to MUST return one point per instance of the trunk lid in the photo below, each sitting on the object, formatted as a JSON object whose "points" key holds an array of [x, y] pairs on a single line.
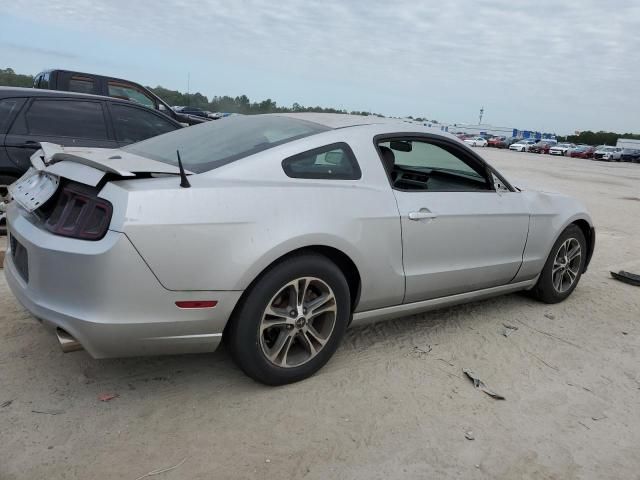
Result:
{"points": [[87, 166]]}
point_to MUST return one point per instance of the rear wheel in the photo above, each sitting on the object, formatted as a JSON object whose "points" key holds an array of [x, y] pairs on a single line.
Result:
{"points": [[564, 266], [291, 321], [5, 181]]}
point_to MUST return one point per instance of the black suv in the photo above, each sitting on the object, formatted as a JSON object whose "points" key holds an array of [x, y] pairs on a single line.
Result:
{"points": [[70, 81], [29, 116]]}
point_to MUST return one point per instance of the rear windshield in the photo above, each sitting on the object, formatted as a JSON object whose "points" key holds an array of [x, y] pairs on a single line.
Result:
{"points": [[212, 144]]}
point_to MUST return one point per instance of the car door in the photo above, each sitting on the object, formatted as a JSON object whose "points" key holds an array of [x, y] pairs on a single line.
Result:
{"points": [[133, 124], [459, 233], [62, 121]]}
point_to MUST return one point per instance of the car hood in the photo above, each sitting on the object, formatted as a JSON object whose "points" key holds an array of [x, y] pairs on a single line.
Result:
{"points": [[60, 161]]}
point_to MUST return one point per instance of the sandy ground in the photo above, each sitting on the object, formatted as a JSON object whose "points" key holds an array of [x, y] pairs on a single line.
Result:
{"points": [[393, 403]]}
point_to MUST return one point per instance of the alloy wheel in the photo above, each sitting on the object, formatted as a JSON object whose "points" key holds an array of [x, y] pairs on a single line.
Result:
{"points": [[566, 265], [298, 322]]}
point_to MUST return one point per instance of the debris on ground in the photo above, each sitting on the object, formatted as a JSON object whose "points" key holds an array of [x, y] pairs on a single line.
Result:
{"points": [[6, 404], [422, 350], [161, 470], [469, 435], [627, 277], [595, 418], [508, 329], [550, 316], [48, 412], [481, 385], [106, 397]]}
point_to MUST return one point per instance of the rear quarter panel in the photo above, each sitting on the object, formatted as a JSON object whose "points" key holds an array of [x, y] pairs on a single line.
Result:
{"points": [[237, 220]]}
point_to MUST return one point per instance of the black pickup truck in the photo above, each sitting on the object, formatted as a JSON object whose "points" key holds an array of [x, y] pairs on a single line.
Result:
{"points": [[90, 83]]}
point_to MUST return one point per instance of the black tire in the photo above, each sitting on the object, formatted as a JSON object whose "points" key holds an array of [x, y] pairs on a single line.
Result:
{"points": [[5, 181], [243, 337], [544, 289]]}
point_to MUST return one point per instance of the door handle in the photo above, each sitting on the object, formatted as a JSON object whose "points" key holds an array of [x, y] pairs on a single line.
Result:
{"points": [[422, 214]]}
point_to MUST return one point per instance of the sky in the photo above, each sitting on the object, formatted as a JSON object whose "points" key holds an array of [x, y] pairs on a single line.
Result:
{"points": [[534, 65]]}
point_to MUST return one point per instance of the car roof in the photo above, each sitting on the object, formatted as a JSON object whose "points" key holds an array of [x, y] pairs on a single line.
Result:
{"points": [[14, 92], [95, 75], [341, 120], [7, 92]]}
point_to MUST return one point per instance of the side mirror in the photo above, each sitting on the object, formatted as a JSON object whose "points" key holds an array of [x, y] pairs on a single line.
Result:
{"points": [[400, 146], [498, 185]]}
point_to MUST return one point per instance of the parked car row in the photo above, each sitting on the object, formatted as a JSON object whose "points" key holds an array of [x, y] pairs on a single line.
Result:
{"points": [[566, 149]]}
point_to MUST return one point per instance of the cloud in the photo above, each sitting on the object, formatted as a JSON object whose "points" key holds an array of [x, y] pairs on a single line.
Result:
{"points": [[24, 49], [552, 64]]}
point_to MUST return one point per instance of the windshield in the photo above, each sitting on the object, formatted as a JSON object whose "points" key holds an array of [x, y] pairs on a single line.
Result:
{"points": [[213, 144]]}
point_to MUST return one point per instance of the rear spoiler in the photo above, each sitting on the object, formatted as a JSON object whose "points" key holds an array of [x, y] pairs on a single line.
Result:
{"points": [[52, 153]]}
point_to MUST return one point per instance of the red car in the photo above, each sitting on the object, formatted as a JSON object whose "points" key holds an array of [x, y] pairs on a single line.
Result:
{"points": [[581, 151], [541, 147], [497, 142]]}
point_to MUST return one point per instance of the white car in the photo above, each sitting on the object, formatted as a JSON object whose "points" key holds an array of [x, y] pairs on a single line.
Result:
{"points": [[274, 233], [522, 145], [561, 149], [610, 154], [476, 142]]}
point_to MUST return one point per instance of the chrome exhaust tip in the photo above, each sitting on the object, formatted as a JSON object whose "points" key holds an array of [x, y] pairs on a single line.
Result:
{"points": [[67, 342]]}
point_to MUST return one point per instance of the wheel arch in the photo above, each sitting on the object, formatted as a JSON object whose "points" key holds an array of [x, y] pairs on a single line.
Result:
{"points": [[342, 260], [590, 236]]}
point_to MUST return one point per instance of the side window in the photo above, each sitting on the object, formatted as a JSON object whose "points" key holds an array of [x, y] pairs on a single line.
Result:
{"points": [[331, 162], [132, 124], [127, 91], [66, 118], [419, 165], [81, 84], [8, 107], [44, 81]]}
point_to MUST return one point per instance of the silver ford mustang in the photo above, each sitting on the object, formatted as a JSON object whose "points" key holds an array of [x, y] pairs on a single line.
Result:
{"points": [[274, 233]]}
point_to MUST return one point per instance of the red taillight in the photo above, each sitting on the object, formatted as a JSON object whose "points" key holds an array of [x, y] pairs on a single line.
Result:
{"points": [[79, 213], [196, 303]]}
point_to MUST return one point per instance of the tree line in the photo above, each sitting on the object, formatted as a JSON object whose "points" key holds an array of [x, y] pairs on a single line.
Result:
{"points": [[239, 104], [598, 138], [242, 104]]}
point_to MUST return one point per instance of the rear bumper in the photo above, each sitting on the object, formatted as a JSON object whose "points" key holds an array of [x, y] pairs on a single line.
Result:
{"points": [[104, 295]]}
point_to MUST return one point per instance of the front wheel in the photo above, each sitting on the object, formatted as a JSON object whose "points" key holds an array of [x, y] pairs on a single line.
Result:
{"points": [[564, 267], [291, 321]]}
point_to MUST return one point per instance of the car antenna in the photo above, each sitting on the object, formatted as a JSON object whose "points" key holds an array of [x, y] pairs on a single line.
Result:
{"points": [[184, 181]]}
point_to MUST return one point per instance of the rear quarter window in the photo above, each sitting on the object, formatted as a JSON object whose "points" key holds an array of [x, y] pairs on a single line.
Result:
{"points": [[331, 162]]}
